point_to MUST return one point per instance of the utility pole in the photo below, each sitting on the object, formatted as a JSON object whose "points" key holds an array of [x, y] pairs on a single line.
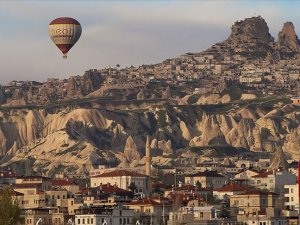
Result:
{"points": [[175, 177]]}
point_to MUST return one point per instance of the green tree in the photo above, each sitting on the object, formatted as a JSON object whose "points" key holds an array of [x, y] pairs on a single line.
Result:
{"points": [[225, 212], [9, 208], [131, 187]]}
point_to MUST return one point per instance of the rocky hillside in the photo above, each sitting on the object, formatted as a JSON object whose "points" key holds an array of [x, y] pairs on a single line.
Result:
{"points": [[104, 116], [287, 38], [250, 38], [78, 139]]}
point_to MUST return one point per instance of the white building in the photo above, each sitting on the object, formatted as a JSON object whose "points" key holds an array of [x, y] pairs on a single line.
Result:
{"points": [[273, 180], [207, 179], [123, 179], [191, 215], [100, 216], [228, 190], [292, 197], [265, 220]]}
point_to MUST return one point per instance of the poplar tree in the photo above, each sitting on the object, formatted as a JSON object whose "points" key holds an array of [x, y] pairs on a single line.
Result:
{"points": [[9, 208]]}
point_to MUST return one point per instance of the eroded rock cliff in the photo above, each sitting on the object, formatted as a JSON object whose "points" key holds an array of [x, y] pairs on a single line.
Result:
{"points": [[39, 141]]}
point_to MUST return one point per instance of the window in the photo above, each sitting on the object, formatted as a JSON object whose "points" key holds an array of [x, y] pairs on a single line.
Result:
{"points": [[120, 220], [292, 199], [292, 190], [92, 221], [88, 221], [201, 214], [258, 181], [83, 221], [78, 221]]}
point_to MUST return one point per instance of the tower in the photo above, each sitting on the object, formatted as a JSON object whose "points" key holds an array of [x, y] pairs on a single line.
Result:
{"points": [[148, 157]]}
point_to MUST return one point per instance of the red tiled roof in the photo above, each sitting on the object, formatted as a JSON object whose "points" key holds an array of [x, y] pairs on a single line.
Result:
{"points": [[232, 187], [145, 201], [263, 175], [184, 197], [250, 169], [61, 182], [107, 189], [31, 185], [188, 188], [121, 173]]}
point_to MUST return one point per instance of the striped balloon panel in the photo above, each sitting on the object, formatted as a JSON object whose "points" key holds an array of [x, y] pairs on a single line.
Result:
{"points": [[64, 35]]}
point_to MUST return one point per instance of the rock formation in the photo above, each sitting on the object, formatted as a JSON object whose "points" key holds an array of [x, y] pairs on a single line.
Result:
{"points": [[254, 29], [140, 95], [279, 161], [79, 139], [131, 151], [250, 38], [287, 38]]}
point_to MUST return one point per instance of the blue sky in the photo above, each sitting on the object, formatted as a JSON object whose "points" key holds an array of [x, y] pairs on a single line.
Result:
{"points": [[124, 32]]}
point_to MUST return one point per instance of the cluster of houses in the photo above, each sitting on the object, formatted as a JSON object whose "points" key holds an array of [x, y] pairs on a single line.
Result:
{"points": [[206, 69], [252, 74], [205, 195]]}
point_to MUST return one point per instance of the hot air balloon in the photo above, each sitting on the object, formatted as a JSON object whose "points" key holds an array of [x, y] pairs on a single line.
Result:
{"points": [[64, 32]]}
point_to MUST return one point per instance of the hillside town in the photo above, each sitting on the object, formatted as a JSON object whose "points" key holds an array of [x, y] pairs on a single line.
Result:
{"points": [[217, 191], [249, 59], [69, 158]]}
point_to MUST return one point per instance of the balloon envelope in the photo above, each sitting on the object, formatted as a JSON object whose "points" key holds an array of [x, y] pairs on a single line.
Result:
{"points": [[64, 32]]}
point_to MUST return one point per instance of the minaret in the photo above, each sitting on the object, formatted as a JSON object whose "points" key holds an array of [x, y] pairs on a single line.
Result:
{"points": [[148, 157]]}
